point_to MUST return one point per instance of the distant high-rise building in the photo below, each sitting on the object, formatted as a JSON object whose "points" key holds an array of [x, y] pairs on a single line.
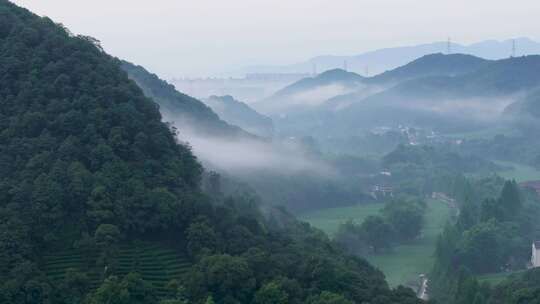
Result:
{"points": [[449, 46], [513, 48]]}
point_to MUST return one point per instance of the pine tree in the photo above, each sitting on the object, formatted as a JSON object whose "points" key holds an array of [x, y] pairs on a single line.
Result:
{"points": [[510, 199]]}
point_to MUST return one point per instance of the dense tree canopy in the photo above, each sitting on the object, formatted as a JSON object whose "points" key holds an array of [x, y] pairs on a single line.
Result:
{"points": [[86, 163], [401, 220], [492, 234]]}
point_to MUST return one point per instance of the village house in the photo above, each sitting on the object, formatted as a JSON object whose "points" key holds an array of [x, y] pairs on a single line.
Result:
{"points": [[380, 191], [534, 185], [535, 257]]}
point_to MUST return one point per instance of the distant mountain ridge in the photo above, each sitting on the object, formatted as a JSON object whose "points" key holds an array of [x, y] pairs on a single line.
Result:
{"points": [[481, 95], [240, 114], [311, 91], [185, 111], [353, 86], [435, 91], [525, 111], [431, 65], [331, 76], [486, 78], [381, 60]]}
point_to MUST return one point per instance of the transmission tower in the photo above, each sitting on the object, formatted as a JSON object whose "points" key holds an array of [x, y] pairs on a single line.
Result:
{"points": [[345, 65], [513, 48], [449, 46]]}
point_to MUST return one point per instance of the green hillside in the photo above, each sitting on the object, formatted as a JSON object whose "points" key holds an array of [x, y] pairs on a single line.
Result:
{"points": [[240, 114], [86, 162], [336, 76], [185, 111], [430, 65], [301, 95]]}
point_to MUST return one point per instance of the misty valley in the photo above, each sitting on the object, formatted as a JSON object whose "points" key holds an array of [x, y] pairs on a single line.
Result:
{"points": [[320, 182]]}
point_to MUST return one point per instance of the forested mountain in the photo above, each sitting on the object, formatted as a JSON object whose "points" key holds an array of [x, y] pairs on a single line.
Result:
{"points": [[433, 65], [87, 170], [354, 88], [186, 112], [505, 76], [464, 101], [311, 92], [430, 65], [240, 114], [498, 78], [525, 111], [340, 76], [480, 95], [493, 233], [253, 160]]}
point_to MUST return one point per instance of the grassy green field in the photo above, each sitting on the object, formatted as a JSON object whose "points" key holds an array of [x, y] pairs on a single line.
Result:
{"points": [[405, 262], [485, 133], [519, 172], [329, 220], [496, 278]]}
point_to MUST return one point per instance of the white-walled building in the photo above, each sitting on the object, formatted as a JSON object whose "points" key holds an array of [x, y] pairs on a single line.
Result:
{"points": [[535, 257]]}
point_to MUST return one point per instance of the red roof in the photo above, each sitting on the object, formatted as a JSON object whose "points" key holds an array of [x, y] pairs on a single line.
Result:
{"points": [[535, 185]]}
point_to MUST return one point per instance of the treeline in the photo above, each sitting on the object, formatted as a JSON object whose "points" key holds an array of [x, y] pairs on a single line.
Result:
{"points": [[523, 148], [421, 170], [400, 221], [437, 157], [493, 234]]}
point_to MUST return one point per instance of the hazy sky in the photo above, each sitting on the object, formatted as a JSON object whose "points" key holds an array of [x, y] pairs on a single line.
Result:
{"points": [[202, 37]]}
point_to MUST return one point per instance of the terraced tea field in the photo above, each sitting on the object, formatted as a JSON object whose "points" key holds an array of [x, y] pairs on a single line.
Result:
{"points": [[156, 264]]}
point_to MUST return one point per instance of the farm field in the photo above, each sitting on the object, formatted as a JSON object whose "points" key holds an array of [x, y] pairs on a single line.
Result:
{"points": [[484, 133], [329, 219], [519, 172], [496, 278], [405, 262]]}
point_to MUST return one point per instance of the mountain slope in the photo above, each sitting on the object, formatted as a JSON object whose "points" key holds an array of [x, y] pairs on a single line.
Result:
{"points": [[479, 95], [525, 110], [431, 65], [87, 164], [311, 92], [504, 76], [445, 101], [185, 111], [501, 77], [357, 87], [240, 114], [329, 77]]}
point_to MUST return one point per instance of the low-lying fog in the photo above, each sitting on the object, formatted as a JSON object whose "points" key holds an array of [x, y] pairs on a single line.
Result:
{"points": [[247, 155], [318, 95]]}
